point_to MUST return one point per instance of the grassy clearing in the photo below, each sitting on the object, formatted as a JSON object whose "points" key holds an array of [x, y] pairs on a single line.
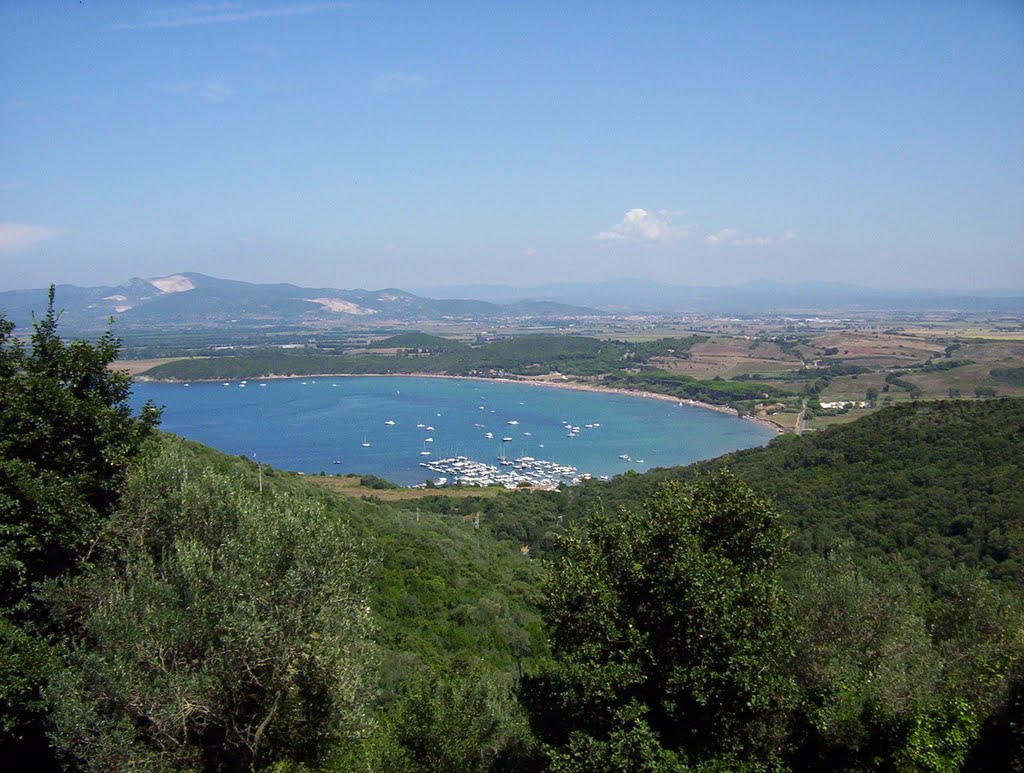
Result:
{"points": [[349, 486], [823, 422], [785, 420], [135, 367]]}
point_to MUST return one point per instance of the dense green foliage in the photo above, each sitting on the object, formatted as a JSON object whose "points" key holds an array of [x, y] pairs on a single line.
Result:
{"points": [[219, 627], [67, 436], [668, 626]]}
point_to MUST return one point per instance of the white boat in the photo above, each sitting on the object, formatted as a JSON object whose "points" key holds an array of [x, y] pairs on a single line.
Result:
{"points": [[506, 440], [489, 435], [390, 423], [421, 425], [639, 461], [429, 429], [262, 385], [428, 440], [528, 434], [625, 456], [365, 443], [512, 423]]}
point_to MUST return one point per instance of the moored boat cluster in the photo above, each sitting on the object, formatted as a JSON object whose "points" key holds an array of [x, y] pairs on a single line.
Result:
{"points": [[463, 471]]}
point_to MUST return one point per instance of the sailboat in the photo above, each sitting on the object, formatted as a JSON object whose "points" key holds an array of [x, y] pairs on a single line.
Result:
{"points": [[365, 442]]}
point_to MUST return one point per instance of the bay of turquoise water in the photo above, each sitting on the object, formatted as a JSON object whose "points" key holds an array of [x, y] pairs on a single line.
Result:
{"points": [[307, 425]]}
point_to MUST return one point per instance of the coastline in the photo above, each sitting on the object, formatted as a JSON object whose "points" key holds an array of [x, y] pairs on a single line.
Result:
{"points": [[541, 382]]}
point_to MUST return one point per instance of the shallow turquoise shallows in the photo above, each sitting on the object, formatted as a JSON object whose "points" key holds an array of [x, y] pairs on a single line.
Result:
{"points": [[321, 424]]}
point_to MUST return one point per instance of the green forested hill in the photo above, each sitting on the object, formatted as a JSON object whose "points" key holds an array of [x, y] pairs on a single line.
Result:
{"points": [[420, 341], [938, 482]]}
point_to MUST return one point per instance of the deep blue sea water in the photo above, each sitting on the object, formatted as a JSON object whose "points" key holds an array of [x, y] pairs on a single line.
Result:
{"points": [[307, 424]]}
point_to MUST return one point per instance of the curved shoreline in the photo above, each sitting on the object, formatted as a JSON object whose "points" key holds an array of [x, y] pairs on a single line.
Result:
{"points": [[542, 382]]}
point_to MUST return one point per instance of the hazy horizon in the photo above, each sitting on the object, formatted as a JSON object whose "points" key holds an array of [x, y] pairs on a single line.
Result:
{"points": [[333, 144], [425, 290]]}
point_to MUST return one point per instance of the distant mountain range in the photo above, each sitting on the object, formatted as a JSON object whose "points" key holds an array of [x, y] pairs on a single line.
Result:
{"points": [[198, 301], [759, 296]]}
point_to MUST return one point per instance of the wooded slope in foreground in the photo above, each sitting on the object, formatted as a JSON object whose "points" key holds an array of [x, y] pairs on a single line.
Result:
{"points": [[847, 601]]}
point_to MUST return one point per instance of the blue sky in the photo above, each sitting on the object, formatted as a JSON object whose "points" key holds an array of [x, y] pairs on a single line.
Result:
{"points": [[409, 144]]}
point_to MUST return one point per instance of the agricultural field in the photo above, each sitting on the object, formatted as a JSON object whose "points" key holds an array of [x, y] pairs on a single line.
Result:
{"points": [[877, 349], [730, 356]]}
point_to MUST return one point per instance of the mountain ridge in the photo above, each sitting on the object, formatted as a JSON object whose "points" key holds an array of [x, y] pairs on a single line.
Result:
{"points": [[194, 299]]}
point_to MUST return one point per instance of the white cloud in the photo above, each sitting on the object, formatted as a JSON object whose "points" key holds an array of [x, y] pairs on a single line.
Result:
{"points": [[390, 81], [199, 14], [210, 91], [15, 237], [529, 251], [721, 237], [732, 238], [638, 226], [390, 246]]}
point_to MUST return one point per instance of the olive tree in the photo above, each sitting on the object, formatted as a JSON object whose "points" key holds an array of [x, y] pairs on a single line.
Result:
{"points": [[221, 629]]}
